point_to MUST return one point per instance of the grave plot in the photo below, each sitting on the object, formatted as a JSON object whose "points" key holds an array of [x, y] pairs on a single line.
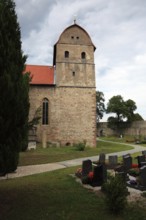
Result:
{"points": [[95, 173]]}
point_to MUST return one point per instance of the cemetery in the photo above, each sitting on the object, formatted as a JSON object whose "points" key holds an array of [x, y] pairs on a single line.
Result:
{"points": [[96, 173]]}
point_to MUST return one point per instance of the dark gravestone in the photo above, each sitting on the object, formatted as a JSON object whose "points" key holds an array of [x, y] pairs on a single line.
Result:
{"points": [[86, 167], [126, 155], [127, 162], [102, 158], [113, 160], [99, 175], [144, 153], [143, 176], [143, 164], [140, 159]]}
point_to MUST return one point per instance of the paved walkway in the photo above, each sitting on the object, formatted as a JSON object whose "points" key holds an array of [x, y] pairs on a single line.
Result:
{"points": [[34, 169]]}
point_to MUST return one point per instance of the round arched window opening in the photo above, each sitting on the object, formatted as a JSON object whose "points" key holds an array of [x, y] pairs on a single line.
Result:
{"points": [[83, 55], [66, 54]]}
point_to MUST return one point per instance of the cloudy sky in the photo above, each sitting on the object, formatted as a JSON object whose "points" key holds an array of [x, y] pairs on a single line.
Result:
{"points": [[117, 29]]}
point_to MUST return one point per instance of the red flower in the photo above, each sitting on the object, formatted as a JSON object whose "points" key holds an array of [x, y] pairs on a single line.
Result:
{"points": [[134, 166], [90, 175]]}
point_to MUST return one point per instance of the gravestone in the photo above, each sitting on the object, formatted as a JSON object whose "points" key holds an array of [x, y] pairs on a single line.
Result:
{"points": [[86, 167], [143, 177], [143, 164], [125, 155], [140, 159], [113, 160], [99, 175], [127, 162], [32, 139], [144, 153], [102, 158]]}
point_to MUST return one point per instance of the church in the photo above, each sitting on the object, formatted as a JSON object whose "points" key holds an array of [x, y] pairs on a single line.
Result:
{"points": [[65, 93]]}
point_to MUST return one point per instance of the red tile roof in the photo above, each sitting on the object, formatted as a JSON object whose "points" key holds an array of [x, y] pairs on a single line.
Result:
{"points": [[41, 75]]}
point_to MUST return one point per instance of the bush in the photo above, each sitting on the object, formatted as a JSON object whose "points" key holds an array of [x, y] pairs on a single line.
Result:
{"points": [[80, 146], [115, 194]]}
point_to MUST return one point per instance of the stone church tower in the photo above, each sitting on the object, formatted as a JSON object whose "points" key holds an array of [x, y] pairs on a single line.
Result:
{"points": [[66, 92]]}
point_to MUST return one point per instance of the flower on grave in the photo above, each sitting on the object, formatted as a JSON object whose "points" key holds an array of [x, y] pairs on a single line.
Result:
{"points": [[134, 166], [90, 175]]}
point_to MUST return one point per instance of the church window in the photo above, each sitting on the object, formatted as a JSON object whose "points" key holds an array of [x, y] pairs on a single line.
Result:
{"points": [[83, 55], [45, 112], [66, 54]]}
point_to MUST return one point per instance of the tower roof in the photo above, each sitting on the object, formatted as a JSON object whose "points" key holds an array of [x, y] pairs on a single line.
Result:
{"points": [[67, 37]]}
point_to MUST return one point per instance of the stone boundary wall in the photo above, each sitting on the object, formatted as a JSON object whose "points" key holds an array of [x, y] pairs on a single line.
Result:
{"points": [[136, 128]]}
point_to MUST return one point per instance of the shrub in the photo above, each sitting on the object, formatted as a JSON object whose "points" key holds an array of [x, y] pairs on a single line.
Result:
{"points": [[115, 194], [80, 146]]}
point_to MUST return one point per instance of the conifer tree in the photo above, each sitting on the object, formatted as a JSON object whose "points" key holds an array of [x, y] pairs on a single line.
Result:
{"points": [[14, 87]]}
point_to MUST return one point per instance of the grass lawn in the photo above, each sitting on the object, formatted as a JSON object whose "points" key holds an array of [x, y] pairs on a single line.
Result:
{"points": [[56, 196], [52, 154]]}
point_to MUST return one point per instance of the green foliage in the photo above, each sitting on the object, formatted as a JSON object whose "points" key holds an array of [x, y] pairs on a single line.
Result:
{"points": [[100, 107], [14, 88], [134, 172], [115, 194], [80, 146], [36, 118], [124, 113]]}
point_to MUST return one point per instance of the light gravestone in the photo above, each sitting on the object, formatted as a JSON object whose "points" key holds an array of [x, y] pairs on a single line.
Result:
{"points": [[32, 139]]}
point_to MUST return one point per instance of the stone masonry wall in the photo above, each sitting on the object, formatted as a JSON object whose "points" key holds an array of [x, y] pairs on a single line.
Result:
{"points": [[136, 128], [72, 114]]}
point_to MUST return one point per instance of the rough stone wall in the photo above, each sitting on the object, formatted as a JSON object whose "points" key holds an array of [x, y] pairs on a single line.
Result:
{"points": [[72, 114], [74, 71], [136, 128]]}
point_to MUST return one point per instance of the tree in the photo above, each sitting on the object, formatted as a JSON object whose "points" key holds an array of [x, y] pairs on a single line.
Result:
{"points": [[14, 87], [124, 111], [116, 105], [100, 107]]}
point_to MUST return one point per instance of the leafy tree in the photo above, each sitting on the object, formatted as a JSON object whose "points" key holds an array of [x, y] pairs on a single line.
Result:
{"points": [[137, 117], [124, 112], [117, 105], [130, 108], [100, 107], [14, 86]]}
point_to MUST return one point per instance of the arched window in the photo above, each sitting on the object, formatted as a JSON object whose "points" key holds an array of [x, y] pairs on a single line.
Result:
{"points": [[83, 55], [45, 112], [66, 54]]}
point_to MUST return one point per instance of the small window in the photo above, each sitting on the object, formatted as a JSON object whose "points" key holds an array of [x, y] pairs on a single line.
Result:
{"points": [[73, 73], [45, 112], [72, 37], [83, 55], [66, 54], [77, 38]]}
